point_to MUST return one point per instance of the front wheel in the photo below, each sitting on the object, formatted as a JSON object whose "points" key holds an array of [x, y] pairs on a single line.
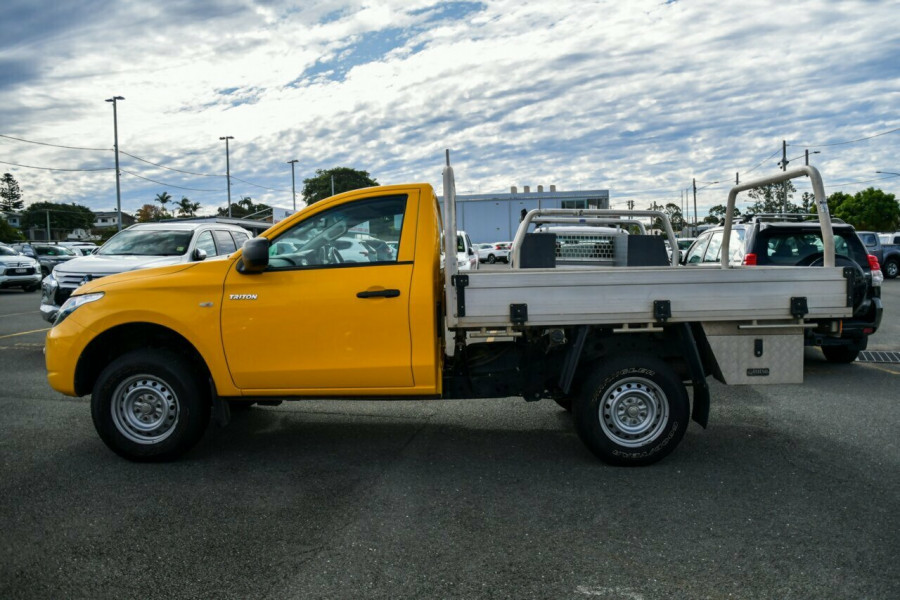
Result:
{"points": [[632, 411], [890, 269], [149, 405]]}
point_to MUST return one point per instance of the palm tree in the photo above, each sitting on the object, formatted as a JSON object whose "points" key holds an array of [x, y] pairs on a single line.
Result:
{"points": [[186, 208], [163, 199]]}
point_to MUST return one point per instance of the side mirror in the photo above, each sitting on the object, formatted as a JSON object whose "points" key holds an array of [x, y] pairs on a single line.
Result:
{"points": [[198, 254], [254, 255], [471, 252]]}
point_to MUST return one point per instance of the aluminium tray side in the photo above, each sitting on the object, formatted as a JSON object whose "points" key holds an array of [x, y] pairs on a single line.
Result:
{"points": [[626, 295]]}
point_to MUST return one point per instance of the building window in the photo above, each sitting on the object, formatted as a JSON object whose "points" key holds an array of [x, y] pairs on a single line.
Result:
{"points": [[573, 204]]}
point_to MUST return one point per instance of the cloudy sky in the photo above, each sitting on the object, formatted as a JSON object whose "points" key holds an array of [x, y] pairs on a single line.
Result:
{"points": [[636, 97]]}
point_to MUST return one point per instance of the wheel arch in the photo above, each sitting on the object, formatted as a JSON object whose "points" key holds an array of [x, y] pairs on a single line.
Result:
{"points": [[127, 337]]}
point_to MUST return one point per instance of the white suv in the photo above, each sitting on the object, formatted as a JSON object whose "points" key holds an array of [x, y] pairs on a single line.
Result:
{"points": [[140, 246], [18, 270]]}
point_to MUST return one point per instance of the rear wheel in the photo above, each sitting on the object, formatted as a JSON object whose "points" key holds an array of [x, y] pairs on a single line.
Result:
{"points": [[632, 411], [845, 353], [149, 405], [890, 269]]}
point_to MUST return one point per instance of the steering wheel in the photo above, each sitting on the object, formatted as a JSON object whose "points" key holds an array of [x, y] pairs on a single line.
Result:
{"points": [[858, 291], [808, 260]]}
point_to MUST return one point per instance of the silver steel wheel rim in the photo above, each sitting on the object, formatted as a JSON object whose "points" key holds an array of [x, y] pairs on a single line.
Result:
{"points": [[633, 412], [145, 409]]}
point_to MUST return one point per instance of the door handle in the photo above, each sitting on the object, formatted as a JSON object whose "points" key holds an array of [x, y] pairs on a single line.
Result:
{"points": [[379, 294]]}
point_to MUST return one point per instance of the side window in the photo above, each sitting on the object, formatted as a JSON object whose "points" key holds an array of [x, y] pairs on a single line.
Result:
{"points": [[205, 243], [695, 253], [224, 242], [239, 238], [358, 233], [712, 251], [736, 245]]}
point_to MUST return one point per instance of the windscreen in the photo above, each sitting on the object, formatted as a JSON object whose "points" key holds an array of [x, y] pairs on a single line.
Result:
{"points": [[138, 242]]}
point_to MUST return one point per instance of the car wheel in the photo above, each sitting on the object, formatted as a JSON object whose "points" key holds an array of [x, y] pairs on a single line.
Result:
{"points": [[492, 259], [890, 269], [150, 405], [844, 353], [632, 411]]}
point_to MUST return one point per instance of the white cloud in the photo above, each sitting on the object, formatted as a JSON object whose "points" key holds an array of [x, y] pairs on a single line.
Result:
{"points": [[637, 97]]}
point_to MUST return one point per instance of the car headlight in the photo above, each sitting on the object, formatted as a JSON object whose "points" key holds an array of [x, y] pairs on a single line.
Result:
{"points": [[73, 303]]}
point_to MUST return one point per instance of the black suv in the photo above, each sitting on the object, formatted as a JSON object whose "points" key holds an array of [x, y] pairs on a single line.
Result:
{"points": [[796, 240]]}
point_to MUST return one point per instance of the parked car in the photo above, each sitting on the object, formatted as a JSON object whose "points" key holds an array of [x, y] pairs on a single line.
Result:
{"points": [[49, 255], [493, 252], [81, 248], [18, 270], [773, 241], [887, 252], [683, 245], [466, 257], [138, 247]]}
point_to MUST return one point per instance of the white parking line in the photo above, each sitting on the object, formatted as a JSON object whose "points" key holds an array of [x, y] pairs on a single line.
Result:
{"points": [[3, 337]]}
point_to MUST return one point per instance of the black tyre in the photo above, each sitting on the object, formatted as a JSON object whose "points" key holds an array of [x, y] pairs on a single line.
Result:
{"points": [[150, 405], [890, 269], [492, 259], [845, 353], [632, 411]]}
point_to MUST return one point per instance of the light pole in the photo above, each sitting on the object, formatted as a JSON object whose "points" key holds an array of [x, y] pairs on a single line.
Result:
{"points": [[116, 141], [709, 183], [783, 164], [228, 169], [293, 182]]}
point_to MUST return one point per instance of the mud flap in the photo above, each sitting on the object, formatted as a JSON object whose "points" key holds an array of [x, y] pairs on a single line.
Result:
{"points": [[700, 410]]}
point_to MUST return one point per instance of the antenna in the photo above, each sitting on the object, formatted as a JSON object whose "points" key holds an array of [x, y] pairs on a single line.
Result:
{"points": [[447, 154]]}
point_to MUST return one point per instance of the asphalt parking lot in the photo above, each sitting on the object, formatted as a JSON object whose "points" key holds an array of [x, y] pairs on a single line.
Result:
{"points": [[792, 492]]}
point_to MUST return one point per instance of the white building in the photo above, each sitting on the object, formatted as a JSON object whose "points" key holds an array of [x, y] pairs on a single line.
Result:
{"points": [[495, 217]]}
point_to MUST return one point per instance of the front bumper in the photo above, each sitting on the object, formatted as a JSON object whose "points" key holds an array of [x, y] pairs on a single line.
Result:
{"points": [[20, 281]]}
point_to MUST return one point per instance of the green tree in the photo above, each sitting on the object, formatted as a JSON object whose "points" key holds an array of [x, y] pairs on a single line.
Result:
{"points": [[672, 211], [8, 233], [62, 217], [345, 179], [868, 210], [186, 208], [163, 199], [717, 213], [771, 199], [10, 194], [245, 208], [835, 201]]}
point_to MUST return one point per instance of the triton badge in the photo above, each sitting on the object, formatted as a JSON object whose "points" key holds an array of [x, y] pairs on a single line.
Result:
{"points": [[242, 297]]}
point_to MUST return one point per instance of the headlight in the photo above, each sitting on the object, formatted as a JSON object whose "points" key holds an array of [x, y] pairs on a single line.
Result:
{"points": [[73, 303]]}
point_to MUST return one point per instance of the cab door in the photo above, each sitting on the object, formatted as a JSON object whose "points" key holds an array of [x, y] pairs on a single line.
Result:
{"points": [[331, 311]]}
